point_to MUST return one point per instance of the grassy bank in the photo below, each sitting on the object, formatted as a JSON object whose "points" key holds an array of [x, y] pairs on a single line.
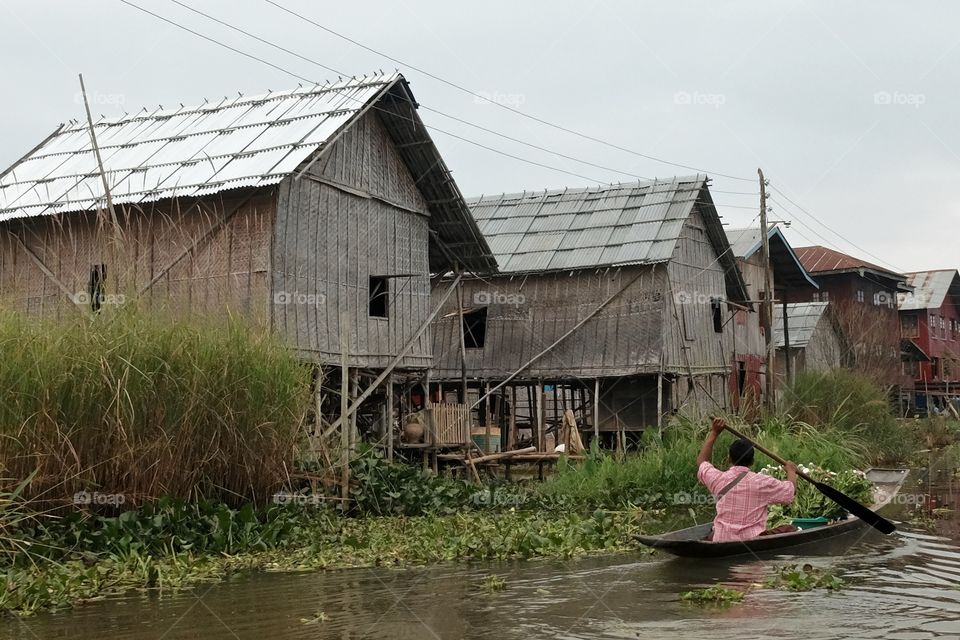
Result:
{"points": [[130, 404]]}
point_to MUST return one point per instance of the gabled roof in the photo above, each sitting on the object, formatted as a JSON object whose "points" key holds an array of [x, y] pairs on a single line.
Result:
{"points": [[821, 261], [245, 141], [612, 225], [802, 321], [787, 268], [930, 289]]}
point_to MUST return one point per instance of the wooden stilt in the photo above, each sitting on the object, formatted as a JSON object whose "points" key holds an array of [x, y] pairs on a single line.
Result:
{"points": [[389, 382]]}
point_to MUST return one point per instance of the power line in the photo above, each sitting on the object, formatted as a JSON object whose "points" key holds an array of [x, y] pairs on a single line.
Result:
{"points": [[828, 228], [480, 96], [331, 69]]}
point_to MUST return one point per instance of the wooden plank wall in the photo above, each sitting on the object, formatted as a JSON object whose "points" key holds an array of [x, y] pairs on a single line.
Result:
{"points": [[228, 271], [525, 314], [356, 213]]}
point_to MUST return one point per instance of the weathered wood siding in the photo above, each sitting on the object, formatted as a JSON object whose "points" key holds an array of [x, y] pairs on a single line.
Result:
{"points": [[749, 335], [199, 267], [525, 314], [355, 213], [691, 345]]}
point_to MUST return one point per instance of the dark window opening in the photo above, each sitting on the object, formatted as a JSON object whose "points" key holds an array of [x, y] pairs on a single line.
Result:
{"points": [[741, 377], [717, 316], [475, 329], [97, 286], [379, 297]]}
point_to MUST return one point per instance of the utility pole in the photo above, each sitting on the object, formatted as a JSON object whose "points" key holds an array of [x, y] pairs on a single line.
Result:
{"points": [[767, 293]]}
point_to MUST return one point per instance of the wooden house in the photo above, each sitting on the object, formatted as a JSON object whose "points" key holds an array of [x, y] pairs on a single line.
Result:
{"points": [[864, 296], [930, 323], [809, 340], [318, 212], [787, 274], [612, 302]]}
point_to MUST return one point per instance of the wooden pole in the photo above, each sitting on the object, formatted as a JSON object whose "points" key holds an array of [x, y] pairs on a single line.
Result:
{"points": [[354, 389], [512, 440], [389, 383], [660, 399], [96, 153], [344, 405], [541, 435], [596, 410], [463, 347], [786, 342], [768, 292]]}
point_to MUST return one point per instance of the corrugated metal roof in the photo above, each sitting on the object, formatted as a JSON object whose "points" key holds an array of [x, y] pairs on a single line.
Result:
{"points": [[802, 321], [187, 151], [930, 289], [635, 223]]}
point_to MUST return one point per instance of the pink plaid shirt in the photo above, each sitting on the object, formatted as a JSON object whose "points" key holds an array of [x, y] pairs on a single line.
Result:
{"points": [[742, 512]]}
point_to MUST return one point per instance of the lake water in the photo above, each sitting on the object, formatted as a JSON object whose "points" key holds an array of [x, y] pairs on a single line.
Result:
{"points": [[901, 587]]}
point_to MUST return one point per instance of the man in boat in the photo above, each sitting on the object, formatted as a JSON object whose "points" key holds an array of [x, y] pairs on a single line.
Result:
{"points": [[742, 496]]}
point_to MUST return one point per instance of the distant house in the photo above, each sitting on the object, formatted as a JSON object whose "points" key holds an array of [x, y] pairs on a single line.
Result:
{"points": [[788, 274], [816, 341], [320, 212], [616, 302], [930, 323], [864, 296]]}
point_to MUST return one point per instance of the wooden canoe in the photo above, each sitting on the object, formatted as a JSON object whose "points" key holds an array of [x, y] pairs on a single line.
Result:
{"points": [[690, 542]]}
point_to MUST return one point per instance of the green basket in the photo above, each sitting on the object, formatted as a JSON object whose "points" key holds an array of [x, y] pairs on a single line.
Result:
{"points": [[809, 523]]}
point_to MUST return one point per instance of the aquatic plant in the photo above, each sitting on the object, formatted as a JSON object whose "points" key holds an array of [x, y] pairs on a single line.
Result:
{"points": [[493, 583], [805, 578], [715, 595]]}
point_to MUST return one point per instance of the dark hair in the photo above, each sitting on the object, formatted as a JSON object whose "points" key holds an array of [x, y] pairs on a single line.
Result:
{"points": [[741, 453]]}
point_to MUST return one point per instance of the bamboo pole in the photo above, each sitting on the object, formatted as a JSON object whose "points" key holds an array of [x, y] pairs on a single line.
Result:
{"points": [[344, 405], [499, 456], [389, 383], [596, 410]]}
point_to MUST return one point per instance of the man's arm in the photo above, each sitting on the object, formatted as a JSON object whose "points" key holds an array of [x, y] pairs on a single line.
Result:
{"points": [[791, 472], [706, 452]]}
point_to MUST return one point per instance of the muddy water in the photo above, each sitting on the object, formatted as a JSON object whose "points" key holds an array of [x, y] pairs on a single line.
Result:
{"points": [[900, 587]]}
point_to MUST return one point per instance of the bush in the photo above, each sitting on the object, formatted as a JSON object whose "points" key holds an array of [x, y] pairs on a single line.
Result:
{"points": [[135, 404], [853, 405]]}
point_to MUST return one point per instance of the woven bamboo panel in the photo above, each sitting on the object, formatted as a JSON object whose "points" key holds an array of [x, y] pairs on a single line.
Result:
{"points": [[452, 423]]}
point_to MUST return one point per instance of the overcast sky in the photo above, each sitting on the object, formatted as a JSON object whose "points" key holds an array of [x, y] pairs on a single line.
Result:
{"points": [[849, 108]]}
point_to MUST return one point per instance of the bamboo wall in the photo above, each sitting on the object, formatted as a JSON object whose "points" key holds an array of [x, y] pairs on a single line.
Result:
{"points": [[691, 345], [525, 314], [355, 213], [195, 262]]}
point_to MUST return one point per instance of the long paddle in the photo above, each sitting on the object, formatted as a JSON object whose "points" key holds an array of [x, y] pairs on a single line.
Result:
{"points": [[867, 515]]}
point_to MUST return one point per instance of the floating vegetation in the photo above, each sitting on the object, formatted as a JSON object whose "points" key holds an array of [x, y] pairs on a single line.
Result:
{"points": [[493, 583], [805, 578], [715, 595]]}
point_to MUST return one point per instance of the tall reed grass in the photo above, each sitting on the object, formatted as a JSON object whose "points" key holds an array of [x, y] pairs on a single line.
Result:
{"points": [[139, 405]]}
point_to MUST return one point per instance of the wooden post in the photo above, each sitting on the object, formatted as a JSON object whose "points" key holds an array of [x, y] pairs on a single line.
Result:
{"points": [[541, 432], [463, 347], [354, 390], [389, 382], [786, 342], [660, 399], [344, 422], [596, 410], [512, 440], [487, 417], [768, 292]]}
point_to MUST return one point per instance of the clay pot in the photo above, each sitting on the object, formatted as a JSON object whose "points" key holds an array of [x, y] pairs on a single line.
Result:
{"points": [[413, 429]]}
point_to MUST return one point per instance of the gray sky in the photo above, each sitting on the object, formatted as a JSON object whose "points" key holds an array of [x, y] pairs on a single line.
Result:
{"points": [[848, 107]]}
